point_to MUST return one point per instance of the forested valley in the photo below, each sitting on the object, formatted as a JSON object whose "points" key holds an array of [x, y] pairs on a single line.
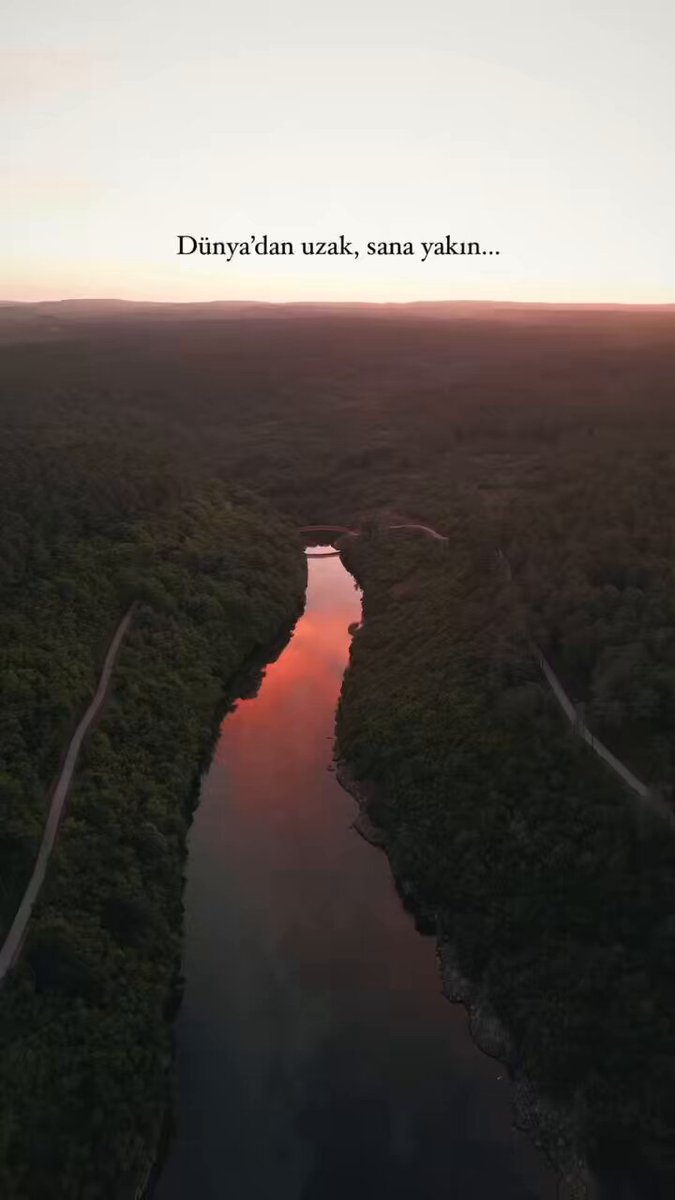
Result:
{"points": [[85, 1041], [165, 457]]}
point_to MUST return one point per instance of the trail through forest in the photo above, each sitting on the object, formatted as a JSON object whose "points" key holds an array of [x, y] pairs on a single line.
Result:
{"points": [[14, 939]]}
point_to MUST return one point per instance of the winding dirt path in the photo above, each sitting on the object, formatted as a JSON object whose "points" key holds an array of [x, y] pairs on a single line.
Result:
{"points": [[646, 794], [17, 932]]}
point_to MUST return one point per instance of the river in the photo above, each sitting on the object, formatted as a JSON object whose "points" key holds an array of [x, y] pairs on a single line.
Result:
{"points": [[316, 1056]]}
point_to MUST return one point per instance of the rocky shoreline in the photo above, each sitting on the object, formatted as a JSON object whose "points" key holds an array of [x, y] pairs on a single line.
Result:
{"points": [[551, 1129]]}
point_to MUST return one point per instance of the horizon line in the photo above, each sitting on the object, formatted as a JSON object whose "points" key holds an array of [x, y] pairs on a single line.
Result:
{"points": [[342, 303]]}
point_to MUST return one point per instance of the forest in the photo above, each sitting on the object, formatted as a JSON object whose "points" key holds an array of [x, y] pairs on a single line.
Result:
{"points": [[165, 456], [553, 885], [85, 1041]]}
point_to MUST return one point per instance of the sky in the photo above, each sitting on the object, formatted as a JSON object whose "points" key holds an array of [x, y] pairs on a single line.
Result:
{"points": [[543, 130]]}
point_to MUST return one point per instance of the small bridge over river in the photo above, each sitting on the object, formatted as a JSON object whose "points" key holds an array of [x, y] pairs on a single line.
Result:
{"points": [[328, 529]]}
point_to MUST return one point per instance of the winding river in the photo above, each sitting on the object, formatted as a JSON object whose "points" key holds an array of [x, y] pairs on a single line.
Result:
{"points": [[316, 1057]]}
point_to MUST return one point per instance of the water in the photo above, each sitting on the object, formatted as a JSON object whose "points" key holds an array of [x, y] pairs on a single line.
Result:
{"points": [[317, 1059]]}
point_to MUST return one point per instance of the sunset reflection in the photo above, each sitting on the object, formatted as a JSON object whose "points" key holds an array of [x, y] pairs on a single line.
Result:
{"points": [[298, 696], [317, 1058]]}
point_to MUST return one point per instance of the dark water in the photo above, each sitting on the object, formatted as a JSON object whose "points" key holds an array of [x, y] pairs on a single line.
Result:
{"points": [[317, 1059]]}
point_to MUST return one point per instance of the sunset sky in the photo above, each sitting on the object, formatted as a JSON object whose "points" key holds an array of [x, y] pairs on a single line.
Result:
{"points": [[543, 130]]}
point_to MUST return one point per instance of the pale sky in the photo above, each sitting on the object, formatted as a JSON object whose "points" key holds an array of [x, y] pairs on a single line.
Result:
{"points": [[541, 128]]}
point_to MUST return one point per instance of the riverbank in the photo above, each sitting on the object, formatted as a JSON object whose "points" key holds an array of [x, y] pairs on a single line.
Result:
{"points": [[243, 684], [522, 852], [550, 1129]]}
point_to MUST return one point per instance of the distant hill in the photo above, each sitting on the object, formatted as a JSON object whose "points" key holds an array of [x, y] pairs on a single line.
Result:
{"points": [[49, 320]]}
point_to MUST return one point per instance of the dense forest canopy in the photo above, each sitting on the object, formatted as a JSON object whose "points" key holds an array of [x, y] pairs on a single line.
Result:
{"points": [[165, 456], [555, 886], [84, 1042]]}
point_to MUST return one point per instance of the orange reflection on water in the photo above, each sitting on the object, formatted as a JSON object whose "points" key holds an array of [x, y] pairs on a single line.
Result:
{"points": [[292, 715], [317, 1057]]}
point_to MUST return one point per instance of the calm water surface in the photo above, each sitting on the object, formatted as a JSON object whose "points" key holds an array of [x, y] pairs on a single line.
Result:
{"points": [[317, 1059]]}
